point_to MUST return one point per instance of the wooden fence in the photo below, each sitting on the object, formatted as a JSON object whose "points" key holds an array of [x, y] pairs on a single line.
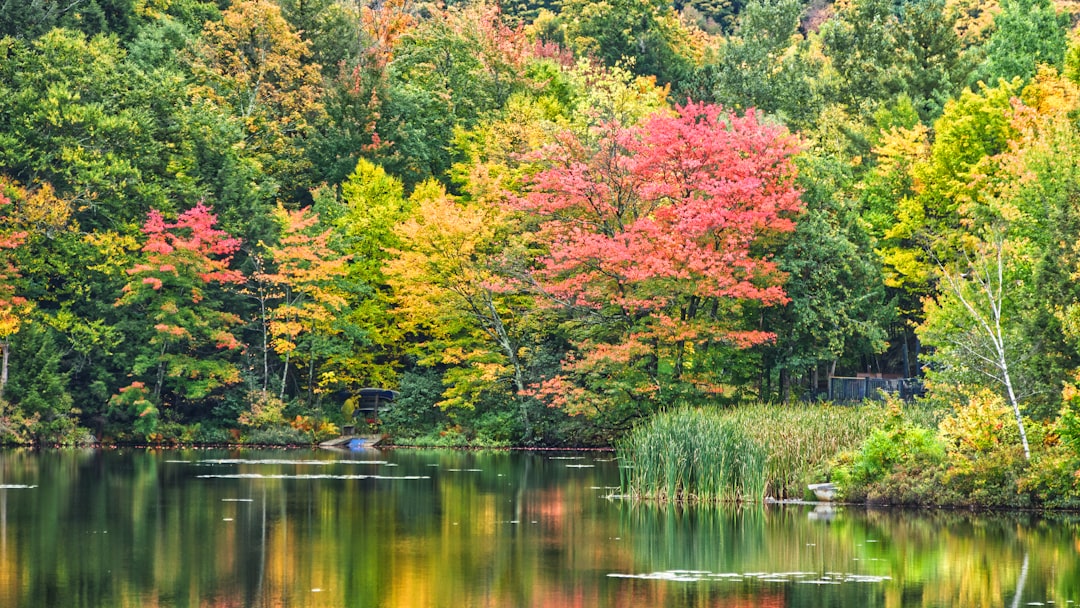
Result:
{"points": [[847, 390]]}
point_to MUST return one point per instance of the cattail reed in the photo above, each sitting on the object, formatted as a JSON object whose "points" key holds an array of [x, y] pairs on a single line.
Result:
{"points": [[692, 455]]}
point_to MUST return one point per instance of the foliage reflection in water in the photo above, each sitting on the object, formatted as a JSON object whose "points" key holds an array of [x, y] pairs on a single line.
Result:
{"points": [[443, 528]]}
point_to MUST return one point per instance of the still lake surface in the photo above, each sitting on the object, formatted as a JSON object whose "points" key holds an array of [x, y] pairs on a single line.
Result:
{"points": [[417, 528]]}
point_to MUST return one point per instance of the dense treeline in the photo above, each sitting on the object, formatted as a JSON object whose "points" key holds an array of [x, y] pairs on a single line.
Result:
{"points": [[539, 222]]}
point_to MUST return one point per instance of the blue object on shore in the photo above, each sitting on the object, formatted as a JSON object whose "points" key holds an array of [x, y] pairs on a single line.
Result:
{"points": [[360, 443]]}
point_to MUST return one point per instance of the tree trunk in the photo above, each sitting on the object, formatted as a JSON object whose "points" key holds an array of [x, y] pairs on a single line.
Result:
{"points": [[1015, 405], [311, 380], [688, 314], [828, 378], [502, 337], [160, 382], [265, 340], [907, 362], [284, 375], [5, 348], [990, 283]]}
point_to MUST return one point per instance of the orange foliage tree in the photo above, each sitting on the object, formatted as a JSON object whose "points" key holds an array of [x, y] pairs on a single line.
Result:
{"points": [[12, 307], [306, 281]]}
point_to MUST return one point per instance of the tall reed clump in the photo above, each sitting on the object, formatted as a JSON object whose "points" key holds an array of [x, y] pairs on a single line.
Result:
{"points": [[692, 455]]}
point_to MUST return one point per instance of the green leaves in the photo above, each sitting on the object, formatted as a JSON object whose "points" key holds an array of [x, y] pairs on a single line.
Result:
{"points": [[1027, 33]]}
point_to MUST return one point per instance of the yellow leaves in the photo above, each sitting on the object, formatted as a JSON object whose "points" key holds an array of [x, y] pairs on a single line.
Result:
{"points": [[614, 94], [904, 267], [901, 147], [974, 19], [1069, 317], [454, 355], [978, 426], [266, 411], [494, 151], [441, 268], [254, 63], [39, 209], [9, 324], [443, 284], [114, 251], [375, 200], [1050, 94]]}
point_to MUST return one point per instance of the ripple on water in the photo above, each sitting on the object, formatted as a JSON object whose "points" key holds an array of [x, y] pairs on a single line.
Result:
{"points": [[272, 461], [692, 576], [260, 476]]}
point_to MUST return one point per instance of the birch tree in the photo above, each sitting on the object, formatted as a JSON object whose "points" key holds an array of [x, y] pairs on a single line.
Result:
{"points": [[973, 320]]}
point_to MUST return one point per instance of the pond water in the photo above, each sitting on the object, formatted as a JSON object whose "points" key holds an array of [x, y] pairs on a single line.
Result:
{"points": [[415, 528]]}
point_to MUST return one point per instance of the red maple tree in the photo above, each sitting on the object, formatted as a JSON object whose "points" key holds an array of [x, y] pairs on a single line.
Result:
{"points": [[657, 236], [173, 285]]}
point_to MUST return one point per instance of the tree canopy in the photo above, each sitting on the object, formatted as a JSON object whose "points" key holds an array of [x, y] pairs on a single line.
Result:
{"points": [[545, 222]]}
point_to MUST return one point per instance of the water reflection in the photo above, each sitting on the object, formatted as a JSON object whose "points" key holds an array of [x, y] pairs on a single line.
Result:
{"points": [[441, 528]]}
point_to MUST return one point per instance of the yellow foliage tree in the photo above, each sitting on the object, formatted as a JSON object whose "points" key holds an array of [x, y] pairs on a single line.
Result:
{"points": [[305, 280], [446, 288]]}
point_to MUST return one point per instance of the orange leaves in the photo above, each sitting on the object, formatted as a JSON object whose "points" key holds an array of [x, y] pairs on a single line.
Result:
{"points": [[12, 307], [172, 330], [307, 275], [384, 23]]}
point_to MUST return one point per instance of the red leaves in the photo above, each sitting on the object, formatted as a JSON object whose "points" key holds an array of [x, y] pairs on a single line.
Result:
{"points": [[181, 260], [661, 230], [679, 201], [191, 241]]}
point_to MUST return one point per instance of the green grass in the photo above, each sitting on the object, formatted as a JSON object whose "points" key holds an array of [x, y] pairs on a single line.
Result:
{"points": [[801, 439], [743, 453]]}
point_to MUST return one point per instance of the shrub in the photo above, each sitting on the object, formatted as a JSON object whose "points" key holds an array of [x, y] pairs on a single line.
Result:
{"points": [[279, 435], [497, 428], [315, 429], [896, 464], [905, 452], [212, 435], [1053, 479], [452, 436], [265, 411], [61, 431], [15, 427], [985, 457]]}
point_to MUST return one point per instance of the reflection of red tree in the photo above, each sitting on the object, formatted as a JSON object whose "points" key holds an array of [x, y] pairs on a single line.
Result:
{"points": [[631, 592], [549, 507], [759, 600]]}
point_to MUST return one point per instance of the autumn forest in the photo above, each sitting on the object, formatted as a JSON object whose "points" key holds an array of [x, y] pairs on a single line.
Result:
{"points": [[540, 222]]}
